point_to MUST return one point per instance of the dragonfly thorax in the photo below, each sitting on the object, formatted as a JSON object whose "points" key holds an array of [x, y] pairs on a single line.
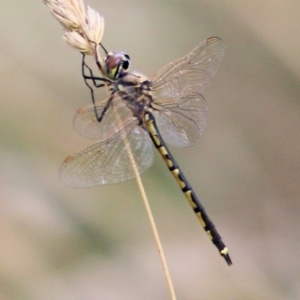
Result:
{"points": [[135, 90], [132, 84], [116, 64]]}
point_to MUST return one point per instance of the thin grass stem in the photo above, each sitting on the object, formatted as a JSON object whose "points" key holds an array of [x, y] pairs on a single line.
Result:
{"points": [[148, 209]]}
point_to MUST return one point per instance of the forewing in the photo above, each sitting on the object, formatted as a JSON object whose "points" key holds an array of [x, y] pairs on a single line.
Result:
{"points": [[107, 161], [191, 73], [87, 125], [182, 120]]}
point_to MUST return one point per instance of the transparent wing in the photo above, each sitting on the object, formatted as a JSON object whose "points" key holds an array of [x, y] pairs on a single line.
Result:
{"points": [[192, 72], [181, 123], [107, 161], [181, 109], [86, 124]]}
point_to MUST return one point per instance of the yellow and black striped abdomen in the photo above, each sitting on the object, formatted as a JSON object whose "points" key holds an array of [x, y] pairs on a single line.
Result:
{"points": [[198, 208]]}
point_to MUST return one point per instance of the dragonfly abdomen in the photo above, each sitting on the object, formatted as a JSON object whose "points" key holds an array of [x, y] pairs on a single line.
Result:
{"points": [[186, 188]]}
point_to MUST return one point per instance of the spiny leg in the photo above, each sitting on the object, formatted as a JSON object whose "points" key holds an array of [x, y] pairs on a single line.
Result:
{"points": [[195, 203], [91, 76], [94, 79]]}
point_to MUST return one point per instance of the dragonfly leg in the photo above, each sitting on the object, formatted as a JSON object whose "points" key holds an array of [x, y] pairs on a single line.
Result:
{"points": [[107, 105], [91, 76], [94, 79]]}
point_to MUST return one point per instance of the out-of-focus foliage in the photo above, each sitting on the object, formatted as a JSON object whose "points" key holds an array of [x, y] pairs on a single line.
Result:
{"points": [[63, 243]]}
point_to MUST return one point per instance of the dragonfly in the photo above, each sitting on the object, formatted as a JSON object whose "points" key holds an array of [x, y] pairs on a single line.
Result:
{"points": [[166, 109]]}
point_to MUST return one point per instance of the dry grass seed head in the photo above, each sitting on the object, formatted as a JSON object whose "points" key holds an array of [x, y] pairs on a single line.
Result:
{"points": [[83, 27]]}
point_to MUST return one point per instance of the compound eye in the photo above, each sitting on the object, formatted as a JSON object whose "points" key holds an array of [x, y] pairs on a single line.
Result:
{"points": [[112, 65], [125, 64], [116, 64], [125, 60], [112, 61]]}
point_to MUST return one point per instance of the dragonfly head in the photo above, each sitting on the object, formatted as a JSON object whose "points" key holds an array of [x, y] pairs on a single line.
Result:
{"points": [[116, 63]]}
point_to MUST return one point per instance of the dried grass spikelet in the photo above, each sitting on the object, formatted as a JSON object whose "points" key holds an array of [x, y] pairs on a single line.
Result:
{"points": [[83, 27]]}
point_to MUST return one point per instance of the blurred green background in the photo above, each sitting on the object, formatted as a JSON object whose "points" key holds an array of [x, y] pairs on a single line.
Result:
{"points": [[64, 243]]}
